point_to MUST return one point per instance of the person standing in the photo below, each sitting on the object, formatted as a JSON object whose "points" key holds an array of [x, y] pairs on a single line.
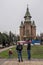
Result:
{"points": [[29, 49], [19, 48]]}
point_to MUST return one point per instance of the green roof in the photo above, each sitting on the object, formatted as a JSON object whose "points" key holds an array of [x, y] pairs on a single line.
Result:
{"points": [[27, 13]]}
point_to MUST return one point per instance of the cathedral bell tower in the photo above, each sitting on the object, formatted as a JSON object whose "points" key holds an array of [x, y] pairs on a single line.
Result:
{"points": [[27, 24]]}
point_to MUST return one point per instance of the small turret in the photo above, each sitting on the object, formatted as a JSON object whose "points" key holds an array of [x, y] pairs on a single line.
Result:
{"points": [[33, 24], [21, 24]]}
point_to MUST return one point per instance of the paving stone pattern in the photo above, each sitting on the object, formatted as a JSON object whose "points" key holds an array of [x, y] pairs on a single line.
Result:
{"points": [[15, 62]]}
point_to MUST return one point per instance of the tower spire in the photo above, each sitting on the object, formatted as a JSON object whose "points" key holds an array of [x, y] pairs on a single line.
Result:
{"points": [[27, 5], [27, 11], [27, 14]]}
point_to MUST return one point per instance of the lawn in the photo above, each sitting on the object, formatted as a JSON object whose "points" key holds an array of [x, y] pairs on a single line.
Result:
{"points": [[36, 52]]}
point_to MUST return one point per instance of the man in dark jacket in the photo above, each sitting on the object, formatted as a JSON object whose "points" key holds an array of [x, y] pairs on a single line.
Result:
{"points": [[19, 48], [28, 49]]}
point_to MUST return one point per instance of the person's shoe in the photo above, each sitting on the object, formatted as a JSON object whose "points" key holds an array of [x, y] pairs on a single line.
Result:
{"points": [[22, 60], [18, 60], [29, 59]]}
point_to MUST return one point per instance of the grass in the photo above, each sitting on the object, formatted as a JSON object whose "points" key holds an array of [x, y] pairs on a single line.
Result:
{"points": [[36, 52]]}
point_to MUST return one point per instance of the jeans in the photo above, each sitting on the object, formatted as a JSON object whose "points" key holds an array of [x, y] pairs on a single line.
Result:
{"points": [[19, 55], [29, 54], [10, 55]]}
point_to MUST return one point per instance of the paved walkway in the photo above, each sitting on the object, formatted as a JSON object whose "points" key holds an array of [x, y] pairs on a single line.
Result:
{"points": [[6, 48], [15, 62]]}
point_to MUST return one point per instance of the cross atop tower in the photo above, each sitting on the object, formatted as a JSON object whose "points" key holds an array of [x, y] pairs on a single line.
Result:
{"points": [[27, 5]]}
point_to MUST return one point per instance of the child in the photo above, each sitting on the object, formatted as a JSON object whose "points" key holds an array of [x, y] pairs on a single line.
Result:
{"points": [[10, 53]]}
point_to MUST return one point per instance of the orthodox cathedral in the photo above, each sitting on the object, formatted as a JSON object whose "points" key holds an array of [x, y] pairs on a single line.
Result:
{"points": [[27, 27]]}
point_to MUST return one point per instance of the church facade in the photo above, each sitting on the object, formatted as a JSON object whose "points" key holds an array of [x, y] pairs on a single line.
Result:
{"points": [[27, 27]]}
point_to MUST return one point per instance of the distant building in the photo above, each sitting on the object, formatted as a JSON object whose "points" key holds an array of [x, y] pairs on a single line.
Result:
{"points": [[41, 38], [28, 27], [41, 35]]}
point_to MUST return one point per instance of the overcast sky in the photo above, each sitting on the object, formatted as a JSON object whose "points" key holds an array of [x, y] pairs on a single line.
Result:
{"points": [[12, 13]]}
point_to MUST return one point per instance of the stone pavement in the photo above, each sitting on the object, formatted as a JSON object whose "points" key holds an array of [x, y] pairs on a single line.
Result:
{"points": [[15, 62]]}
